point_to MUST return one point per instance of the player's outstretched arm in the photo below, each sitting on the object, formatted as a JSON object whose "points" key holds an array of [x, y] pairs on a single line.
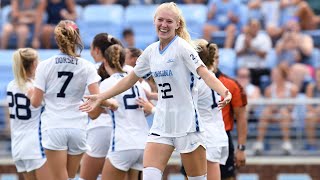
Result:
{"points": [[94, 101], [214, 83]]}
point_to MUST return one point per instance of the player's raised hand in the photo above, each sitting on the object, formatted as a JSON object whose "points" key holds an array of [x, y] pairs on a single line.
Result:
{"points": [[92, 102]]}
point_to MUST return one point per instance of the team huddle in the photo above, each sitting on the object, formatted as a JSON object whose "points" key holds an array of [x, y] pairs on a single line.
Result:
{"points": [[65, 111]]}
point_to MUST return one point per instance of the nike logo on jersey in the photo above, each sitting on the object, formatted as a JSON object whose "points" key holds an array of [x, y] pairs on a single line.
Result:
{"points": [[170, 60], [194, 143]]}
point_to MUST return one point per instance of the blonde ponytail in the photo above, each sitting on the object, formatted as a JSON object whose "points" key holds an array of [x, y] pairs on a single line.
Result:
{"points": [[23, 60]]}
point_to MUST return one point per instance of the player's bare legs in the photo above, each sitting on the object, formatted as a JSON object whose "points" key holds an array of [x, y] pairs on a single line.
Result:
{"points": [[57, 163], [195, 162], [29, 175], [133, 174], [213, 171], [91, 167], [157, 155], [43, 173], [110, 172], [73, 164]]}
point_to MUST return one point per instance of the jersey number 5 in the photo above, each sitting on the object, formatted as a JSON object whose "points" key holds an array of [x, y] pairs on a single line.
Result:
{"points": [[24, 104], [69, 75]]}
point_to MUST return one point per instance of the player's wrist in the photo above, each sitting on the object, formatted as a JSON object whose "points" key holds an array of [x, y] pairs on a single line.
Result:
{"points": [[241, 147]]}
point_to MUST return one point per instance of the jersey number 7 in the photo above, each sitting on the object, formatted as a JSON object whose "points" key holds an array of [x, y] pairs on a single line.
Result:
{"points": [[69, 75]]}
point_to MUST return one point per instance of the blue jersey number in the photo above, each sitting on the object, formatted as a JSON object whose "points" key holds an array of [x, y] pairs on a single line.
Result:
{"points": [[23, 105], [69, 75], [132, 95], [215, 104]]}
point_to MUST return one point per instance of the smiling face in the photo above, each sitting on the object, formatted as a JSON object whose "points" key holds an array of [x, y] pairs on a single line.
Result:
{"points": [[166, 23]]}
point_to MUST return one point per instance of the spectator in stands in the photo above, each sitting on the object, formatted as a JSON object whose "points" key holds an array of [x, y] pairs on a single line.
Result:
{"points": [[222, 15], [267, 11], [253, 92], [252, 47], [22, 21], [313, 112], [301, 9], [280, 88], [243, 77], [56, 10], [132, 55], [128, 38], [294, 50]]}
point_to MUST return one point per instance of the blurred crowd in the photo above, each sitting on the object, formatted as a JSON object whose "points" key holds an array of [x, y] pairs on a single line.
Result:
{"points": [[282, 25]]}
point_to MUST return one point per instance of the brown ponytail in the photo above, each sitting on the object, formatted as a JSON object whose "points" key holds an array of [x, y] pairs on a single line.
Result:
{"points": [[115, 56]]}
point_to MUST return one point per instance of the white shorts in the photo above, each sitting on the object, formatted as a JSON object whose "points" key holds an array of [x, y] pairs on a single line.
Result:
{"points": [[98, 141], [29, 165], [72, 140], [184, 144], [128, 159], [218, 154]]}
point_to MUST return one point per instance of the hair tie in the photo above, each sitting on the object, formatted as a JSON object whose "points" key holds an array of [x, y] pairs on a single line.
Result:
{"points": [[208, 44], [72, 26]]}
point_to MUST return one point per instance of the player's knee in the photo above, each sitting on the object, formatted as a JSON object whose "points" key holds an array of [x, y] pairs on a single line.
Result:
{"points": [[202, 177], [152, 173]]}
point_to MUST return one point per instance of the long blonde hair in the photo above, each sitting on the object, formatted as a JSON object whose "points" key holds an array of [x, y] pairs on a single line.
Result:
{"points": [[23, 62], [68, 38], [182, 30]]}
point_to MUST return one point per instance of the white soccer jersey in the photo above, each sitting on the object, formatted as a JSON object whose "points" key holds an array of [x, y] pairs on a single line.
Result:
{"points": [[63, 79], [25, 125], [130, 127], [104, 120], [208, 99], [174, 70]]}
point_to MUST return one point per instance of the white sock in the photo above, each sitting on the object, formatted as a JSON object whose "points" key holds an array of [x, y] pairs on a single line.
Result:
{"points": [[152, 173], [202, 177], [80, 178]]}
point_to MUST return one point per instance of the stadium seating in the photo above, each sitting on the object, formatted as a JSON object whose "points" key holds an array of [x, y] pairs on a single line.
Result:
{"points": [[294, 177], [140, 19], [195, 16], [243, 176], [227, 61], [101, 18]]}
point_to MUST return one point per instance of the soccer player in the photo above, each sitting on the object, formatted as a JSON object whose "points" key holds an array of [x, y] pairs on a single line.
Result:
{"points": [[61, 82], [176, 67], [27, 152], [216, 137], [129, 125], [98, 130]]}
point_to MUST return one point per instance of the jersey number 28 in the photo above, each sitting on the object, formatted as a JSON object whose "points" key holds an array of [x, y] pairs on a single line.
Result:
{"points": [[22, 103]]}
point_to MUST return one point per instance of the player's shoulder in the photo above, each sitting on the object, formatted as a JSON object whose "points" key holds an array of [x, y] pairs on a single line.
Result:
{"points": [[11, 85], [229, 81]]}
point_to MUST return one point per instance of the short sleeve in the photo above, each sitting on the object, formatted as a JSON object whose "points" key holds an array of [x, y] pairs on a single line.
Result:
{"points": [[142, 68], [93, 76], [40, 77], [239, 97], [191, 59]]}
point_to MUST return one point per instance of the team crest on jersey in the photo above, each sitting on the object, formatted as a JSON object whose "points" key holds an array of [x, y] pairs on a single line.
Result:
{"points": [[170, 60]]}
